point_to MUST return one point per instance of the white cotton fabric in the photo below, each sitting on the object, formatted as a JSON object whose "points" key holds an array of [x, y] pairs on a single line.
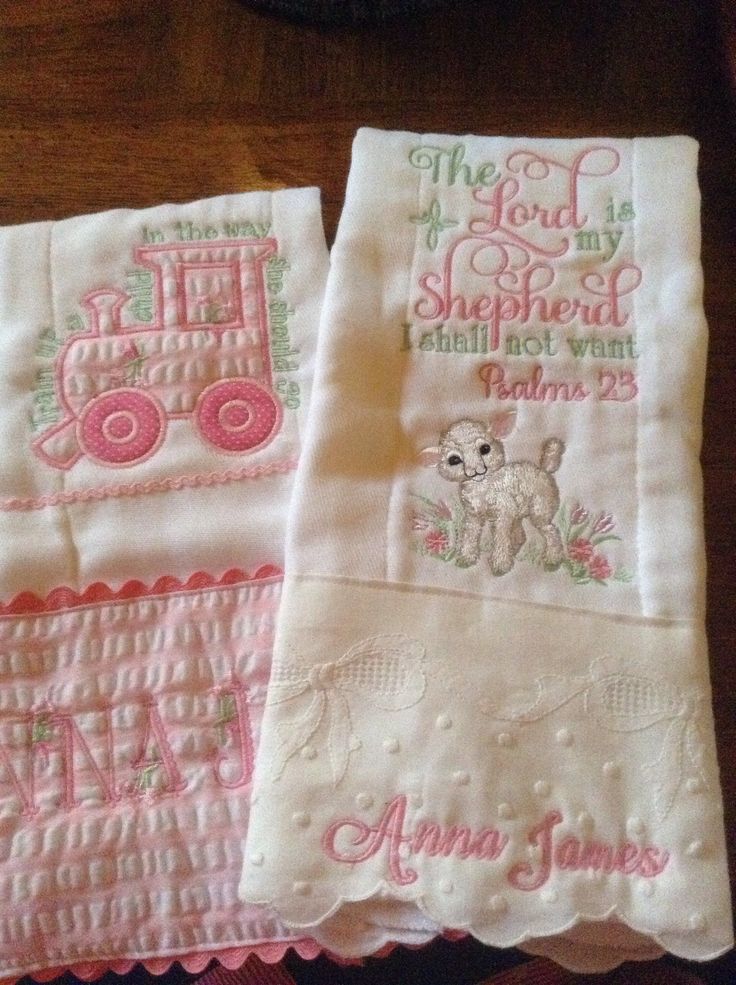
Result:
{"points": [[490, 705], [46, 270]]}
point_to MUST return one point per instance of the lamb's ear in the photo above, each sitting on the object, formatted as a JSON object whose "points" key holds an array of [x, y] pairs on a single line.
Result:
{"points": [[429, 457], [501, 425]]}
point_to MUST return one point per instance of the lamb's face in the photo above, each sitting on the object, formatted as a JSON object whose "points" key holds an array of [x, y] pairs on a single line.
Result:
{"points": [[468, 451]]}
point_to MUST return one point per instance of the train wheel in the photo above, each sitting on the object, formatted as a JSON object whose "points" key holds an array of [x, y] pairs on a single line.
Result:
{"points": [[237, 415], [121, 427]]}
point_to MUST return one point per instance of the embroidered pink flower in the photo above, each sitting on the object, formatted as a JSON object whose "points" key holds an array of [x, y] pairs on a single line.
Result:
{"points": [[580, 550], [436, 542], [443, 510], [599, 568], [604, 524], [579, 515]]}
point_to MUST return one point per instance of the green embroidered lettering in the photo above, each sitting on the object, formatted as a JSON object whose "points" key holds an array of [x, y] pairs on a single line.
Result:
{"points": [[447, 166], [487, 175], [588, 239], [275, 270], [289, 393], [532, 345], [283, 365], [614, 238], [284, 358], [624, 212], [578, 347], [48, 344], [513, 345], [456, 166], [139, 286], [473, 341], [425, 158], [186, 232], [596, 348], [442, 340], [246, 230]]}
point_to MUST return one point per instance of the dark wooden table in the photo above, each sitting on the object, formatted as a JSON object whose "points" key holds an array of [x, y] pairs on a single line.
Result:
{"points": [[107, 103]]}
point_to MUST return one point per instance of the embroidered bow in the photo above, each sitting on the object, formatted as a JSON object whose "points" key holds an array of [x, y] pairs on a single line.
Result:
{"points": [[622, 701], [386, 671]]}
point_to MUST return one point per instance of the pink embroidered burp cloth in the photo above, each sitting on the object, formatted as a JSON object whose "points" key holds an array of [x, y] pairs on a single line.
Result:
{"points": [[156, 368], [490, 705]]}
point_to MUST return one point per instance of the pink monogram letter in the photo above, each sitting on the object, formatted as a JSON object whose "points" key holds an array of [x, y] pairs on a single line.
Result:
{"points": [[390, 829], [523, 875]]}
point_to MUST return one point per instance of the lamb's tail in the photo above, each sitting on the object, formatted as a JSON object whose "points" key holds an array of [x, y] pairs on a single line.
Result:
{"points": [[552, 451]]}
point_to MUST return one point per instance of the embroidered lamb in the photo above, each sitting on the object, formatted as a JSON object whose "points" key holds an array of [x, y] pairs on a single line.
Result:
{"points": [[501, 494]]}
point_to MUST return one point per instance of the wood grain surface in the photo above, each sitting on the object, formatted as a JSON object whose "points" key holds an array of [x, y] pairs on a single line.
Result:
{"points": [[105, 103]]}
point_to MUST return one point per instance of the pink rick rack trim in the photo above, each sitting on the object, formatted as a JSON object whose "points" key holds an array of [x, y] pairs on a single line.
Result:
{"points": [[196, 481], [195, 962], [28, 603]]}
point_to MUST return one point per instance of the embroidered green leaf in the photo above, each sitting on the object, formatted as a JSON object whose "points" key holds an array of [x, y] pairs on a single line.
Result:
{"points": [[145, 776], [226, 713], [41, 730], [438, 528], [147, 771], [622, 574]]}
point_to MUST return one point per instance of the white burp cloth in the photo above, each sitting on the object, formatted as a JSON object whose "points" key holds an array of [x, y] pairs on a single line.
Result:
{"points": [[490, 705], [155, 373]]}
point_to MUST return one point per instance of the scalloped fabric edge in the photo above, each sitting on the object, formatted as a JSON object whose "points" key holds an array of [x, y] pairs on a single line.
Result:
{"points": [[667, 942], [231, 958], [29, 603]]}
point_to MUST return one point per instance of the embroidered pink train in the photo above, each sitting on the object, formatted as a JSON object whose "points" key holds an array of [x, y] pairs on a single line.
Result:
{"points": [[204, 356]]}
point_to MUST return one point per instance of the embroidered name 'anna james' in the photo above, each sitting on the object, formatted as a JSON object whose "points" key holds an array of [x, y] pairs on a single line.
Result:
{"points": [[353, 841]]}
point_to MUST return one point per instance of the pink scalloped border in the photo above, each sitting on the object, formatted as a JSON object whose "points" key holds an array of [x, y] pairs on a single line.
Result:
{"points": [[231, 958], [28, 603]]}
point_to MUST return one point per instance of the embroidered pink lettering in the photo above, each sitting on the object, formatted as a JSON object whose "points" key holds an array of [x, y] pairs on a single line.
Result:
{"points": [[572, 855], [162, 756], [429, 838], [535, 387], [353, 841], [25, 793], [521, 297], [390, 829], [504, 217], [523, 875], [88, 761], [69, 740], [500, 217], [234, 720]]}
